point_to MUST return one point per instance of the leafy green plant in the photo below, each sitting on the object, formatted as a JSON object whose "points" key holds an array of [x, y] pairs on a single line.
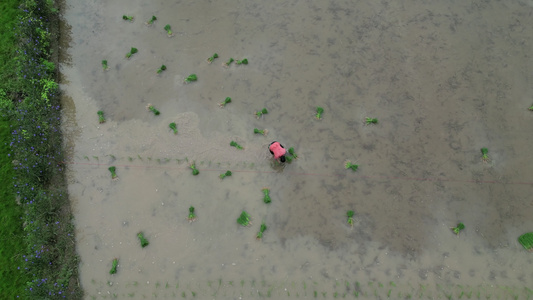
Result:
{"points": [[226, 101], [212, 58], [526, 240], [244, 219], [484, 154], [194, 170], [132, 51], [104, 65], [151, 108], [113, 169], [114, 266], [260, 113], [369, 121], [350, 214], [319, 112], [161, 69], [142, 239], [292, 153], [349, 165], [191, 78], [460, 226], [242, 62], [227, 63], [101, 118], [224, 175], [168, 29], [262, 229], [174, 127], [151, 21], [263, 132], [234, 144], [266, 195], [127, 18], [192, 215]]}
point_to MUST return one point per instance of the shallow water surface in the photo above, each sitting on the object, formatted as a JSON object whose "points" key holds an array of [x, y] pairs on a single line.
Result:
{"points": [[444, 79]]}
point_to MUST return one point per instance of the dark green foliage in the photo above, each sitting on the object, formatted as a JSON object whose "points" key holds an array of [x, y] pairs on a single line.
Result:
{"points": [[191, 78], [142, 239], [350, 215], [151, 21], [531, 108], [114, 266], [161, 69], [112, 169], [194, 170], [291, 152], [226, 101], [224, 175], [263, 132], [244, 219], [174, 127], [226, 64], [152, 109], [101, 118], [266, 195], [234, 144], [484, 154], [132, 51], [242, 62], [460, 226], [192, 215], [369, 121], [319, 112], [104, 65], [260, 113], [127, 18], [262, 229], [526, 240], [212, 57], [350, 165], [168, 29]]}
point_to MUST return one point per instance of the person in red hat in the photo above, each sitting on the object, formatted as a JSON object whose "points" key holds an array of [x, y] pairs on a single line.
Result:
{"points": [[277, 150]]}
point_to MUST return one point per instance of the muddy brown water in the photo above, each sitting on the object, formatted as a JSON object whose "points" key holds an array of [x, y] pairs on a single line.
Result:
{"points": [[444, 79]]}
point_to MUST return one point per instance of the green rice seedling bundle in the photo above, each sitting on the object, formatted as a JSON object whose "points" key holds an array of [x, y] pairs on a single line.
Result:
{"points": [[260, 113], [191, 78], [350, 214], [101, 118], [292, 152], [142, 239], [369, 121], [161, 69], [242, 62], [349, 165], [526, 240], [114, 266], [113, 169], [227, 63], [174, 127], [168, 29], [244, 219], [263, 132], [224, 175], [226, 101], [212, 58], [262, 229], [266, 195], [484, 154], [151, 108], [236, 145], [104, 65], [151, 21], [458, 228], [192, 215], [132, 51], [127, 18], [194, 170], [319, 112]]}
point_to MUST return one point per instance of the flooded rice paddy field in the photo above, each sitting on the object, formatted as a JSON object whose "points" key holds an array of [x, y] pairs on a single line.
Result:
{"points": [[444, 79]]}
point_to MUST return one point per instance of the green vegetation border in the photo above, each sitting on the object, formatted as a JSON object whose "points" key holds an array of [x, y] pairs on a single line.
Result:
{"points": [[48, 264]]}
